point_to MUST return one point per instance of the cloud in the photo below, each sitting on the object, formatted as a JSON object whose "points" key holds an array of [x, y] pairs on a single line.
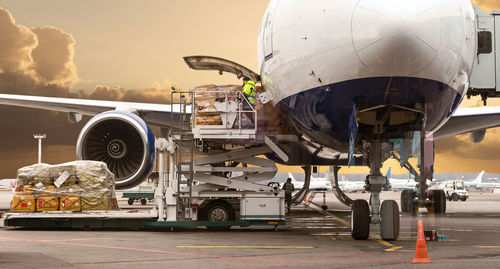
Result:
{"points": [[39, 61], [156, 93], [53, 57], [16, 44], [35, 60]]}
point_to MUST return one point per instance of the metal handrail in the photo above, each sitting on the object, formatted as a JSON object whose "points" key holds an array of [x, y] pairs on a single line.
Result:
{"points": [[237, 95]]}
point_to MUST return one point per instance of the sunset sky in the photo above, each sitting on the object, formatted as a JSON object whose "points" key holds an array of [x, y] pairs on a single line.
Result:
{"points": [[132, 50]]}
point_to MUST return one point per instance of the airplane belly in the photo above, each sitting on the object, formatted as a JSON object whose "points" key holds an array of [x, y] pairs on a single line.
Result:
{"points": [[328, 55], [323, 113]]}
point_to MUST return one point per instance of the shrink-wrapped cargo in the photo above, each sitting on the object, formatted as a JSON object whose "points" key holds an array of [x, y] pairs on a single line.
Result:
{"points": [[70, 203], [73, 186], [47, 199], [205, 98], [47, 203], [96, 200]]}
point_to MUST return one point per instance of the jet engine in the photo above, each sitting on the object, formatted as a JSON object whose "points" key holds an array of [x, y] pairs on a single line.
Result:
{"points": [[477, 136], [122, 140]]}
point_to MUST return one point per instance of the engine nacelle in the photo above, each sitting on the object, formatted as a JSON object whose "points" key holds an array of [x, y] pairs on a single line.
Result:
{"points": [[122, 140], [477, 136]]}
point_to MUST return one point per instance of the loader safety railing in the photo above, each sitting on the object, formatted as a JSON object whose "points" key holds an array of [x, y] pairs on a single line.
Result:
{"points": [[216, 114]]}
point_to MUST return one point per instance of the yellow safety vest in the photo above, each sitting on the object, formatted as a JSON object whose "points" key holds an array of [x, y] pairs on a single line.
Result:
{"points": [[289, 188], [250, 92]]}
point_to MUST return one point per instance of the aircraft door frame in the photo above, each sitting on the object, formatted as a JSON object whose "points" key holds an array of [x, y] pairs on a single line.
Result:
{"points": [[268, 30]]}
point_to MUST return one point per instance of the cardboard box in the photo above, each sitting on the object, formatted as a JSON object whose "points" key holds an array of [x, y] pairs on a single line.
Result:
{"points": [[47, 199], [70, 203], [23, 203], [44, 203]]}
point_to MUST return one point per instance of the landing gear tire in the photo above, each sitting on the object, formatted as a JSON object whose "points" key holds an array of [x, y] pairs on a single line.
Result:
{"points": [[407, 197], [439, 199], [144, 201], [130, 201], [454, 197], [218, 211], [389, 225], [324, 207], [360, 220]]}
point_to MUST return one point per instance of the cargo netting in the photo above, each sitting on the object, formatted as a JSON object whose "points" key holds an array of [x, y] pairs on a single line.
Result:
{"points": [[72, 187]]}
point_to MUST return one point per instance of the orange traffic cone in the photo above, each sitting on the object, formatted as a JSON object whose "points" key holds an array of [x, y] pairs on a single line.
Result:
{"points": [[421, 255]]}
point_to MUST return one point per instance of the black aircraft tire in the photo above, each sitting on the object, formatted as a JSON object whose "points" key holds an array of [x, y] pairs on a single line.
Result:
{"points": [[406, 204], [360, 220], [389, 226], [407, 197], [403, 201], [439, 198]]}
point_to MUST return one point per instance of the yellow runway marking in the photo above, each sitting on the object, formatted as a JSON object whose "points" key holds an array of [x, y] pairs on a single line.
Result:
{"points": [[379, 240], [266, 247], [348, 225], [393, 248], [342, 221]]}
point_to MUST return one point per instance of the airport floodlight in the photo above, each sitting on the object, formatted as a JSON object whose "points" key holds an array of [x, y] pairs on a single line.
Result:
{"points": [[40, 137]]}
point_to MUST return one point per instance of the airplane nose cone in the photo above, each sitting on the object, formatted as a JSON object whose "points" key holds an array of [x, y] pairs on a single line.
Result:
{"points": [[396, 37]]}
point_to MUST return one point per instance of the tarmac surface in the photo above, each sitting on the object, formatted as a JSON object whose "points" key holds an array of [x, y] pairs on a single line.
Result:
{"points": [[312, 238]]}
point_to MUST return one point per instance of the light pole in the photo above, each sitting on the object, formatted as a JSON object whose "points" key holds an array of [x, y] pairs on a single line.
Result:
{"points": [[40, 137]]}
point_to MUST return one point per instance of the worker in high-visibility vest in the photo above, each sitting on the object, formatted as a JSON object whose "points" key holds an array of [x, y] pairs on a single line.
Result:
{"points": [[249, 91], [288, 187]]}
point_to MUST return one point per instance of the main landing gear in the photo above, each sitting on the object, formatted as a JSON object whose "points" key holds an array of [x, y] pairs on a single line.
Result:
{"points": [[434, 200]]}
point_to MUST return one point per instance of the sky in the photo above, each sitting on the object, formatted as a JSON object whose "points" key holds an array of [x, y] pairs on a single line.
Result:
{"points": [[132, 50]]}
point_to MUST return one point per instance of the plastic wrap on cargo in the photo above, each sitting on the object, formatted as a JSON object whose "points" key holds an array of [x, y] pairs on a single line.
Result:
{"points": [[73, 186], [206, 96]]}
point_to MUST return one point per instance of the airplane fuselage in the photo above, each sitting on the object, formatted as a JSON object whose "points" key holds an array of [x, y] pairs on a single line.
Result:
{"points": [[324, 59]]}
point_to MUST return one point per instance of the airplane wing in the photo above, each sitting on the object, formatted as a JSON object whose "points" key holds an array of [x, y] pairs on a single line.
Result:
{"points": [[155, 114], [470, 119]]}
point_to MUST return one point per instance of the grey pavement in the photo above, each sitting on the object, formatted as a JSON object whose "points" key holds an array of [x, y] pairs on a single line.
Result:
{"points": [[311, 239]]}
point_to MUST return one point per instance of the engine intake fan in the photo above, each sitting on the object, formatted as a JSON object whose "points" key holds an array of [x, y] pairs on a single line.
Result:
{"points": [[123, 141]]}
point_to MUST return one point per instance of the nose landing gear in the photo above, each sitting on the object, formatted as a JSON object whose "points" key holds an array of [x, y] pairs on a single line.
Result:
{"points": [[387, 214]]}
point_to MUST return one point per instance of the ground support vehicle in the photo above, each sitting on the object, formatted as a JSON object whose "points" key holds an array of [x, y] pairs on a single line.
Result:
{"points": [[212, 178], [143, 193], [139, 195], [455, 191]]}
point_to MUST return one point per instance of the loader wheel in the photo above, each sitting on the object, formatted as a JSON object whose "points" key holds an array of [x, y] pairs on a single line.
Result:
{"points": [[144, 201], [218, 211], [454, 197], [130, 201]]}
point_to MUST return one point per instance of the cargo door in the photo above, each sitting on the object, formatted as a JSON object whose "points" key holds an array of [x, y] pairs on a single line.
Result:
{"points": [[220, 65], [268, 29], [484, 72]]}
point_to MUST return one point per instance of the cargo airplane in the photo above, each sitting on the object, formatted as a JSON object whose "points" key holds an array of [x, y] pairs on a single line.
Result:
{"points": [[353, 79]]}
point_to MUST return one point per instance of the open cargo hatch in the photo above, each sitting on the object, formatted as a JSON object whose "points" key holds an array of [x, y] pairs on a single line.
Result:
{"points": [[221, 65]]}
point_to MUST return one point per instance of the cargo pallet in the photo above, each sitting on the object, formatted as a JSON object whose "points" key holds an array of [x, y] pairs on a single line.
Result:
{"points": [[205, 191], [111, 220]]}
